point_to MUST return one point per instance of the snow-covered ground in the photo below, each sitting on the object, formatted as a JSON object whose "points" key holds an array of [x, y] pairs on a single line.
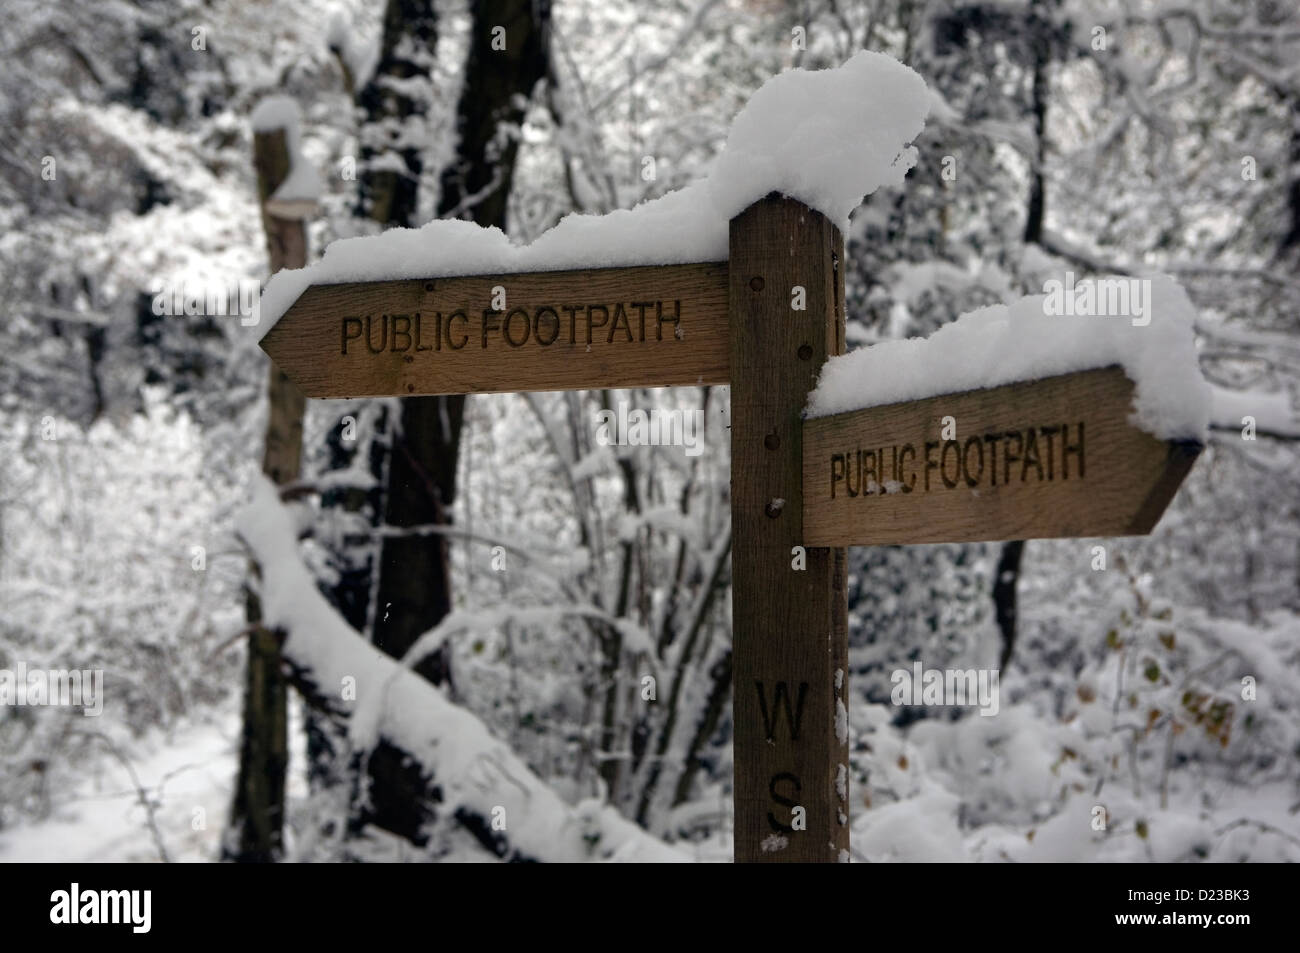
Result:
{"points": [[188, 774]]}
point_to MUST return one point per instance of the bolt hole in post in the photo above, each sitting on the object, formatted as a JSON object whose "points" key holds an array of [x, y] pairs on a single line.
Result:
{"points": [[772, 441], [756, 283], [805, 352]]}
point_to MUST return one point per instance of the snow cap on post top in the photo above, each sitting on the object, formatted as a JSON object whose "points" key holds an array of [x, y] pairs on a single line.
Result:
{"points": [[827, 138], [297, 195]]}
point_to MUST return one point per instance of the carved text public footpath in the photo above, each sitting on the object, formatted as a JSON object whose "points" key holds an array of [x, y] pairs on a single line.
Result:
{"points": [[574, 324], [640, 326], [985, 459]]}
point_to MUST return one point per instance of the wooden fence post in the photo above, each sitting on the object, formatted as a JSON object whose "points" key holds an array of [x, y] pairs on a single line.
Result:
{"points": [[789, 615], [257, 813]]}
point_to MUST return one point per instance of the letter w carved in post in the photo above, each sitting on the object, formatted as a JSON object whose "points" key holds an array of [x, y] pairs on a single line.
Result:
{"points": [[779, 697]]}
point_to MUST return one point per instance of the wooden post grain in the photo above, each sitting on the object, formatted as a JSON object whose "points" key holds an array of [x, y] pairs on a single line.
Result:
{"points": [[789, 615]]}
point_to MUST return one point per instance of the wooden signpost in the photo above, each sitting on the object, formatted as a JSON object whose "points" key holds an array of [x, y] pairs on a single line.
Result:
{"points": [[1049, 458], [559, 330]]}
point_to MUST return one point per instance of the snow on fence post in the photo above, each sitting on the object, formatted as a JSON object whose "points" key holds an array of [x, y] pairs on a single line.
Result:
{"points": [[789, 610]]}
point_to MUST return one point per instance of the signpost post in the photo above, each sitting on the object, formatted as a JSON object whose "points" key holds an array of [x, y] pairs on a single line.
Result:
{"points": [[1049, 458], [789, 645]]}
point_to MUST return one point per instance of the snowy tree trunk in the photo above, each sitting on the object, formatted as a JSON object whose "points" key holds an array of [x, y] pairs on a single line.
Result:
{"points": [[393, 110], [413, 592], [1289, 251], [1006, 579], [394, 114]]}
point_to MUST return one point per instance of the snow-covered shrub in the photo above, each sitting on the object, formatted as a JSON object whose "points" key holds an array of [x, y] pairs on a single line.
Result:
{"points": [[108, 561]]}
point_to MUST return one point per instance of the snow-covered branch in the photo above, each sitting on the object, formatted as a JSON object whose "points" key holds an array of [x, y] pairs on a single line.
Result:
{"points": [[481, 780]]}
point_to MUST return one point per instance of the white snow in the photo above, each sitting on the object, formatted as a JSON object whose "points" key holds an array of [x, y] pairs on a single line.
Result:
{"points": [[826, 138], [275, 112], [1003, 344], [920, 829], [1271, 410], [297, 194], [301, 185], [187, 773], [773, 843]]}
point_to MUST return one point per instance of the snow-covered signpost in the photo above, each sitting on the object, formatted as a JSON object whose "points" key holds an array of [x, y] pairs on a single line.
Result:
{"points": [[1055, 457], [558, 330], [1010, 423]]}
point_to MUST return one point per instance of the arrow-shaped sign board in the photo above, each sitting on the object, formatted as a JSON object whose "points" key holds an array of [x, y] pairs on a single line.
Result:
{"points": [[1055, 457], [651, 326]]}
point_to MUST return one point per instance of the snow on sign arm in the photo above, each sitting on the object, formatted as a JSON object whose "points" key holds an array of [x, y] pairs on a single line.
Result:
{"points": [[635, 297], [1074, 413]]}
